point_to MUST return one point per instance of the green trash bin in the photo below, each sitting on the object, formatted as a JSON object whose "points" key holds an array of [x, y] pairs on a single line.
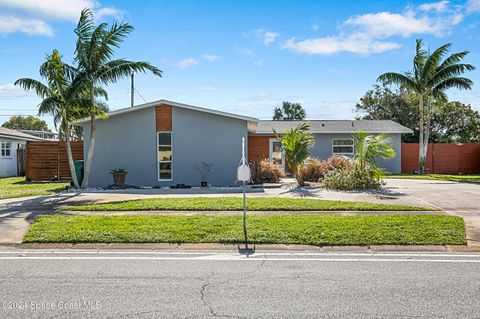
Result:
{"points": [[79, 171]]}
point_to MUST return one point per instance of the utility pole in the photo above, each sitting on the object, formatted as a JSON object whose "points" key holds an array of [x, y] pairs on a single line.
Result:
{"points": [[132, 91]]}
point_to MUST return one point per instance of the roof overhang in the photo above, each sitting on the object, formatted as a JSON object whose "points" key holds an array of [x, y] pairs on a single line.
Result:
{"points": [[252, 122]]}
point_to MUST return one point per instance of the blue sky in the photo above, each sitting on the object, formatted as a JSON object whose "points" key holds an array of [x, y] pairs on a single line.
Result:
{"points": [[243, 56]]}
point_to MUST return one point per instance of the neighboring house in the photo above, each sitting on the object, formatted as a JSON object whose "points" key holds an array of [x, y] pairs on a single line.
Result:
{"points": [[163, 142], [10, 142]]}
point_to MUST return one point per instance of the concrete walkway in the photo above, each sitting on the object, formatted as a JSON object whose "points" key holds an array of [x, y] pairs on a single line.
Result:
{"points": [[454, 198]]}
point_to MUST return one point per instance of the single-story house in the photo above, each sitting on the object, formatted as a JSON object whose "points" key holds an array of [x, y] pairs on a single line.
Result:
{"points": [[10, 142], [163, 143]]}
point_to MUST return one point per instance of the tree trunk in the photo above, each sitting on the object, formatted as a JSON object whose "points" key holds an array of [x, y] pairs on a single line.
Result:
{"points": [[421, 157], [427, 128], [71, 165], [91, 146]]}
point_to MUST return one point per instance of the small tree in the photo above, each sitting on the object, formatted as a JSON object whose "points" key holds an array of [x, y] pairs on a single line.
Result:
{"points": [[368, 148], [296, 143], [289, 111], [30, 122]]}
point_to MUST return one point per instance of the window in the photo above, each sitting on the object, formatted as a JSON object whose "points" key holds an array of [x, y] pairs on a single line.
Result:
{"points": [[164, 156], [6, 149], [342, 146]]}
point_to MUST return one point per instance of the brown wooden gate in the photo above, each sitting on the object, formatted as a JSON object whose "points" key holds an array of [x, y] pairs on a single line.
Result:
{"points": [[21, 161], [47, 160]]}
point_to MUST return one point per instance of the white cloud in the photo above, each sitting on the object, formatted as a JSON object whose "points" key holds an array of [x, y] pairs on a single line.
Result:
{"points": [[211, 57], [108, 12], [386, 24], [12, 91], [58, 9], [266, 37], [258, 62], [247, 52], [32, 16], [28, 26], [439, 6], [473, 6], [315, 26], [357, 43], [369, 33], [186, 63]]}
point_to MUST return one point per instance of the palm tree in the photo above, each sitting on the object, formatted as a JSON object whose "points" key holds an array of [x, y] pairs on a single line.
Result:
{"points": [[296, 143], [368, 148], [430, 78], [289, 111], [94, 52], [59, 98]]}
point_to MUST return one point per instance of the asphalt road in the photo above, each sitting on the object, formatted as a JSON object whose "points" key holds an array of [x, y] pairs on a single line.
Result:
{"points": [[73, 284]]}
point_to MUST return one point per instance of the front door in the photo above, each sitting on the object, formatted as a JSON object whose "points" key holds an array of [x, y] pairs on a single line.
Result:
{"points": [[277, 155]]}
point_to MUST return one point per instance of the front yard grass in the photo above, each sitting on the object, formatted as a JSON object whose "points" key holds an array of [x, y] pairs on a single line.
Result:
{"points": [[236, 203], [11, 187], [441, 177], [319, 230]]}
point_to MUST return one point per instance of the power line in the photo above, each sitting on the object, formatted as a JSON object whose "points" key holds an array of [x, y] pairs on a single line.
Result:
{"points": [[141, 96]]}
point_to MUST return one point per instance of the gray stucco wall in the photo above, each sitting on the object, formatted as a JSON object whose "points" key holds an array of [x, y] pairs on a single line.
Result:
{"points": [[129, 141], [323, 150], [199, 136], [124, 141]]}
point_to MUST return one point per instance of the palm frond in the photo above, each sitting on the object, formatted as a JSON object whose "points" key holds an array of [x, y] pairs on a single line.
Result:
{"points": [[399, 79], [432, 62], [460, 83], [115, 70], [38, 87]]}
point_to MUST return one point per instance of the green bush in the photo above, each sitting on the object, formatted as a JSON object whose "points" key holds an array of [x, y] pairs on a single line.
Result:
{"points": [[351, 179]]}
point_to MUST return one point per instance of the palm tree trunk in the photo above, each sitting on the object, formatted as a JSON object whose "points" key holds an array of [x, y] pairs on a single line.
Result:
{"points": [[427, 128], [71, 165], [91, 146], [421, 157]]}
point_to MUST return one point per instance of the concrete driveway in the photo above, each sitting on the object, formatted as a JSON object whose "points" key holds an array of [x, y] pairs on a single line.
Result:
{"points": [[455, 198]]}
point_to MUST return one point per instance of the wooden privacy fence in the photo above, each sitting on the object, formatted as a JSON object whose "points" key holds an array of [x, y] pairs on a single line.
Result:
{"points": [[443, 158], [47, 160]]}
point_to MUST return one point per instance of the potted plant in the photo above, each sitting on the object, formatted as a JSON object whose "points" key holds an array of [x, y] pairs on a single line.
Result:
{"points": [[204, 169], [118, 176]]}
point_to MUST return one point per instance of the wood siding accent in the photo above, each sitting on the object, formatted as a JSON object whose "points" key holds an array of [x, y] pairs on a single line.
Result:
{"points": [[443, 158], [163, 114], [258, 148], [47, 160]]}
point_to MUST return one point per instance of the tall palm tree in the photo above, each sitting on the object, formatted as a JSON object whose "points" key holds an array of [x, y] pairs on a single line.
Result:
{"points": [[296, 143], [368, 148], [58, 98], [94, 54], [289, 111], [430, 78]]}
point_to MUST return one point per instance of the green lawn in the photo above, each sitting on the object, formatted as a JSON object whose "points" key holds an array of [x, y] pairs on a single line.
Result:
{"points": [[236, 203], [442, 177], [320, 230], [18, 187]]}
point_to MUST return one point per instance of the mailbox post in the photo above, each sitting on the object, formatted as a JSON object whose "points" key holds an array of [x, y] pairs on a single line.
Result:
{"points": [[244, 176]]}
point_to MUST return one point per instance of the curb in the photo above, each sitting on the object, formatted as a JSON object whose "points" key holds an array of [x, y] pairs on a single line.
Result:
{"points": [[235, 247]]}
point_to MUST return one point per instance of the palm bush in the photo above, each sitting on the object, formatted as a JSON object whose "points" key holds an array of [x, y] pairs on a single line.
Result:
{"points": [[296, 143], [369, 148]]}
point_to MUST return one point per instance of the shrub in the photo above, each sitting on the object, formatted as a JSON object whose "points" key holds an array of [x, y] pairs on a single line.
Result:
{"points": [[265, 172], [314, 170], [310, 172], [350, 179]]}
